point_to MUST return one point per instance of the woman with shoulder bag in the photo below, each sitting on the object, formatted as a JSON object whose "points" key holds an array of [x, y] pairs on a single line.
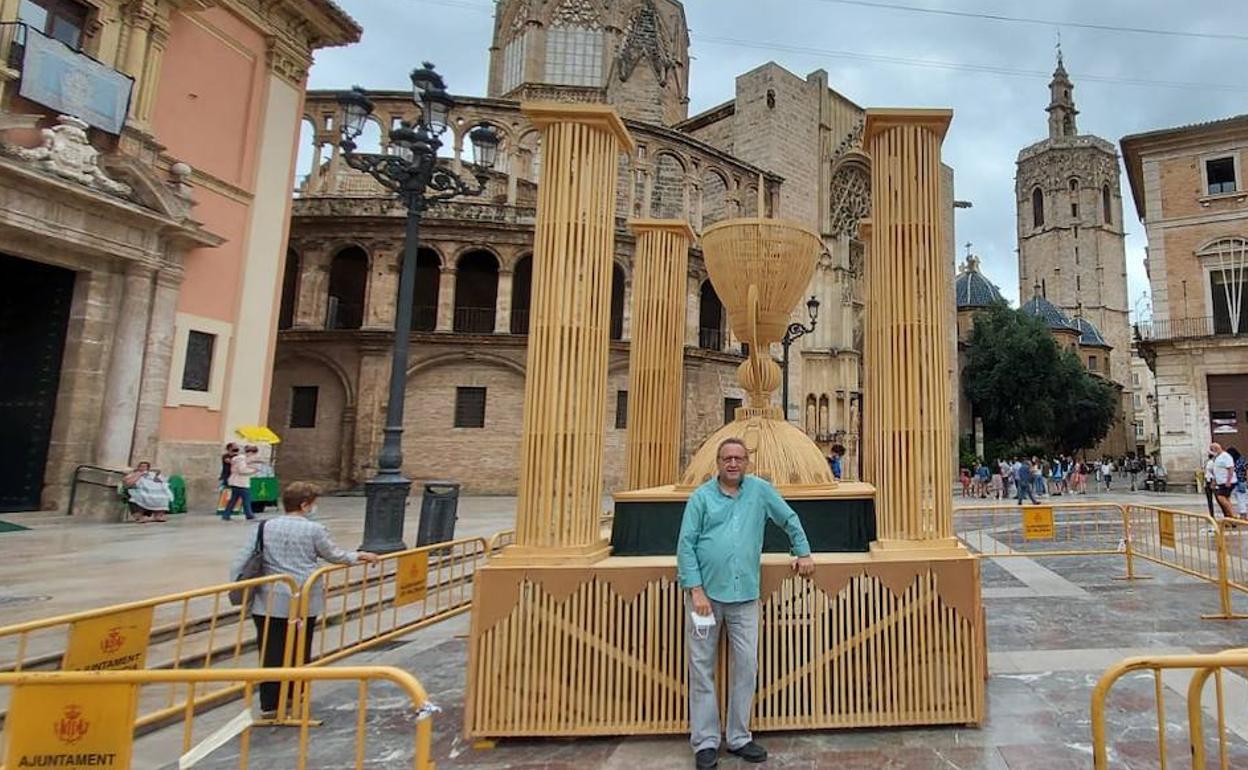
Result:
{"points": [[287, 545]]}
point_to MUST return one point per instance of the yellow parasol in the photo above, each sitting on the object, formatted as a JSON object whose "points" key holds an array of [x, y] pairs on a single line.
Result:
{"points": [[257, 434]]}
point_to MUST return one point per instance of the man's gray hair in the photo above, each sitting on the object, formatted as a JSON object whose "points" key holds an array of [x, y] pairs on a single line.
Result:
{"points": [[731, 440]]}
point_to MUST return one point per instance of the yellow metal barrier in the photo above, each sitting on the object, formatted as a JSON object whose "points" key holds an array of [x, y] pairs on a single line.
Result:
{"points": [[1056, 529], [347, 608], [1182, 540], [83, 715], [196, 629], [1202, 667]]}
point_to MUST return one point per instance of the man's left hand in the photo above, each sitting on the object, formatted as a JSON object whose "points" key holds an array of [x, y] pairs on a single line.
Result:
{"points": [[804, 566]]}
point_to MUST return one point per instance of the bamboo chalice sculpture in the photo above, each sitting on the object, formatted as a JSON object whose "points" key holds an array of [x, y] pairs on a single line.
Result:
{"points": [[760, 268]]}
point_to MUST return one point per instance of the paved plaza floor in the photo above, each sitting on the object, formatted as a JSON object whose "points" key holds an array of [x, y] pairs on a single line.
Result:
{"points": [[1054, 625]]}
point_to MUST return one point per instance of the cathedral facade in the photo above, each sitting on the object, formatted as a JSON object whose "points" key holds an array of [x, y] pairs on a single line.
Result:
{"points": [[785, 146], [1071, 250]]}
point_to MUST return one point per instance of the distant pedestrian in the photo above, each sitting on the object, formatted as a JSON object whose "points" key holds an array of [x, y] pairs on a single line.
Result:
{"points": [[1240, 493], [223, 478], [1223, 478], [834, 461], [291, 545], [1022, 480], [1209, 483], [1107, 472], [241, 471]]}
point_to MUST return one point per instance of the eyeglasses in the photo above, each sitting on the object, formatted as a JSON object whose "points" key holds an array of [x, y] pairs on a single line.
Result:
{"points": [[730, 460]]}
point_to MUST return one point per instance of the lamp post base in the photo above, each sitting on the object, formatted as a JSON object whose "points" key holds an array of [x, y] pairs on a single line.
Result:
{"points": [[385, 507]]}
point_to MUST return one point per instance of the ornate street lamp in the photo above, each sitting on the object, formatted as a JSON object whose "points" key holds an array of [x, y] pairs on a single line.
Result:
{"points": [[411, 170], [795, 331]]}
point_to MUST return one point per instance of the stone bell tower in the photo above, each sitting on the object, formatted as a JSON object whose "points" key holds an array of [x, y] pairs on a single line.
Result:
{"points": [[631, 54], [1071, 241]]}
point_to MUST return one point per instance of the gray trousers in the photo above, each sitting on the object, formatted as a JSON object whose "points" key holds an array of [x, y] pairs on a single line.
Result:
{"points": [[740, 619]]}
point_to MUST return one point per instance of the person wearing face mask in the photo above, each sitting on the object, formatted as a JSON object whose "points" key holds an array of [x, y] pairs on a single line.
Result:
{"points": [[292, 545], [718, 559]]}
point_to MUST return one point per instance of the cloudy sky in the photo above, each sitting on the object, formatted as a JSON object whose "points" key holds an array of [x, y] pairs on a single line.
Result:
{"points": [[885, 53]]}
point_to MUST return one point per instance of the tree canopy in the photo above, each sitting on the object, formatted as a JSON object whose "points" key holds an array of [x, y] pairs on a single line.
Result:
{"points": [[1028, 390]]}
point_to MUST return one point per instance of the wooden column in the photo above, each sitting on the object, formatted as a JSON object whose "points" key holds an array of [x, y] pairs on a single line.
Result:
{"points": [[561, 447], [907, 407], [656, 353]]}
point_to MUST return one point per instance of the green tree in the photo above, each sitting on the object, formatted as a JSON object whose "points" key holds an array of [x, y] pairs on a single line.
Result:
{"points": [[1029, 391]]}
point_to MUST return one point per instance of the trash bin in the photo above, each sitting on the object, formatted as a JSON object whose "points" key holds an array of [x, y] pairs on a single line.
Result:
{"points": [[437, 512]]}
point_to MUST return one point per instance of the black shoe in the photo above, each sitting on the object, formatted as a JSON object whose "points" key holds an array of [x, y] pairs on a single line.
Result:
{"points": [[750, 752], [706, 759]]}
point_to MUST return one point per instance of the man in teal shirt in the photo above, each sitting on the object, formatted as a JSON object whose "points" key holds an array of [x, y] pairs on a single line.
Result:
{"points": [[718, 557]]}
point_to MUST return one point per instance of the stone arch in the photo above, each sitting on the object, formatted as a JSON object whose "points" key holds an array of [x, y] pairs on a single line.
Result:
{"points": [[321, 451], [476, 290], [462, 356], [348, 288], [340, 373], [715, 196], [1037, 207], [667, 188]]}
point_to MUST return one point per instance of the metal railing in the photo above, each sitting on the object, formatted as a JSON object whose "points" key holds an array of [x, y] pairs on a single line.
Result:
{"points": [[1061, 529], [1190, 328], [424, 318], [1202, 667], [711, 338], [474, 320], [520, 320], [367, 604], [91, 701], [1182, 540], [196, 629]]}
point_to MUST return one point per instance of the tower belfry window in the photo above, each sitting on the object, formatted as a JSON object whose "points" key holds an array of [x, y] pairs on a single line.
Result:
{"points": [[1037, 208], [575, 46]]}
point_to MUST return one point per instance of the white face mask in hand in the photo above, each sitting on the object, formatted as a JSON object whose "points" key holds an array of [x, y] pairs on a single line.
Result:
{"points": [[702, 625]]}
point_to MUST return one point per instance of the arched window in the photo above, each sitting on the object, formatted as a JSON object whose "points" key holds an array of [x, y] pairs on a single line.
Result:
{"points": [[290, 291], [1074, 185], [1107, 211], [617, 302], [714, 198], [521, 294], [425, 298], [1037, 208], [476, 292], [710, 319], [348, 279]]}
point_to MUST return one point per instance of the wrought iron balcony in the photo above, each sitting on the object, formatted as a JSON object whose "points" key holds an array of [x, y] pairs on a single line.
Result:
{"points": [[1191, 328]]}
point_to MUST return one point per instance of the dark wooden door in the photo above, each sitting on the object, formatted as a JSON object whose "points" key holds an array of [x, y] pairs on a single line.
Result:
{"points": [[34, 313]]}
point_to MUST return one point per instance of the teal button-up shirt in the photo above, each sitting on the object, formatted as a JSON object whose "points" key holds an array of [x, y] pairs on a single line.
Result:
{"points": [[721, 538]]}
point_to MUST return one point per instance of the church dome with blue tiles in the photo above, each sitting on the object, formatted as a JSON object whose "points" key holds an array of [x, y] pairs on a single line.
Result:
{"points": [[1046, 311], [973, 290], [1089, 335]]}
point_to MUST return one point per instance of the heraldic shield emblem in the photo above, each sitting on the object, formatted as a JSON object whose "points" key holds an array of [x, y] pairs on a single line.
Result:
{"points": [[72, 727]]}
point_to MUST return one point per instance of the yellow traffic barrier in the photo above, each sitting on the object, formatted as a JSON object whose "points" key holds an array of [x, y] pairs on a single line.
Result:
{"points": [[1182, 540], [1202, 667], [196, 629], [348, 608], [1052, 529], [76, 718]]}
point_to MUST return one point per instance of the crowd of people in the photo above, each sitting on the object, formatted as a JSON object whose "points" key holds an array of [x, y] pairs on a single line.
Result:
{"points": [[1022, 477]]}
